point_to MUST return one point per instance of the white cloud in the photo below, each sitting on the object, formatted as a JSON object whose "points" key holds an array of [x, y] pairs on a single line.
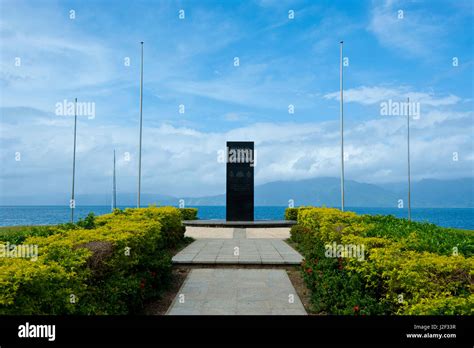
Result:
{"points": [[250, 85], [193, 61], [182, 161], [417, 34], [373, 95]]}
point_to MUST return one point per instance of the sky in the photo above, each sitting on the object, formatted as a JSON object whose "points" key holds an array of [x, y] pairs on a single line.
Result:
{"points": [[196, 97]]}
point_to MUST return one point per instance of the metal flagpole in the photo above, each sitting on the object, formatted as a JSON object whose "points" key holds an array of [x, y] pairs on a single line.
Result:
{"points": [[114, 194], [140, 143], [73, 203], [342, 131], [408, 158]]}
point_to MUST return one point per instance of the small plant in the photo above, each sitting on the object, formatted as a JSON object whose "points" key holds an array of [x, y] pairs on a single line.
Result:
{"points": [[88, 222], [188, 213], [291, 214]]}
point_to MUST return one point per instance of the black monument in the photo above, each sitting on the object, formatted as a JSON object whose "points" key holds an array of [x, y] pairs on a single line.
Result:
{"points": [[241, 160]]}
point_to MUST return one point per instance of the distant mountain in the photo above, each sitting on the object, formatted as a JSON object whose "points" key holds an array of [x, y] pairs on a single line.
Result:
{"points": [[326, 191], [438, 193], [433, 193], [321, 191]]}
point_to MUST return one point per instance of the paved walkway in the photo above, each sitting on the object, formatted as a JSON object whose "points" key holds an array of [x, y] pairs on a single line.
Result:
{"points": [[238, 251], [237, 292]]}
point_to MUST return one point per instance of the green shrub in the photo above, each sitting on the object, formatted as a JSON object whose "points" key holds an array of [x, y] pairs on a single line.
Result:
{"points": [[292, 213], [297, 233], [405, 278], [35, 288], [188, 213], [408, 268], [169, 218], [420, 236], [18, 235], [330, 224], [88, 222], [109, 269], [443, 306], [334, 290]]}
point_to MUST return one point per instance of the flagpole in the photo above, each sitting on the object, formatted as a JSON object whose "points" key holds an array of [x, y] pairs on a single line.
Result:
{"points": [[73, 203], [408, 158], [140, 142], [342, 128], [114, 194]]}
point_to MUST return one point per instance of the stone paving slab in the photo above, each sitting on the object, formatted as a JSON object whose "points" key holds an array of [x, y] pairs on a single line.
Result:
{"points": [[198, 232], [238, 251], [274, 232], [209, 232], [237, 292]]}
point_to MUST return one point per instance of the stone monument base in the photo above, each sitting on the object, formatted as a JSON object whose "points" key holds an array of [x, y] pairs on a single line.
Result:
{"points": [[241, 224]]}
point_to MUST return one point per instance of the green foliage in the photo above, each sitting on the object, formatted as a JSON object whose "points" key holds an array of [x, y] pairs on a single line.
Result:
{"points": [[420, 236], [111, 264], [292, 213], [298, 232], [188, 213], [444, 305], [18, 235], [169, 218], [88, 222], [334, 290], [408, 268], [32, 288]]}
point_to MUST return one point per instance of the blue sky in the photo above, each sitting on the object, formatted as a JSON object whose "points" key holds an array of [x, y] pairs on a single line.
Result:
{"points": [[190, 62]]}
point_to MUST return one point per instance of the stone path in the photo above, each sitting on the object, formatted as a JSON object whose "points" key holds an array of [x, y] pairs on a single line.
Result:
{"points": [[244, 291], [238, 251], [237, 292]]}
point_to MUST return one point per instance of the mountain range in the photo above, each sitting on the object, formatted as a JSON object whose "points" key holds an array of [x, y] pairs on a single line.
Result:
{"points": [[456, 193]]}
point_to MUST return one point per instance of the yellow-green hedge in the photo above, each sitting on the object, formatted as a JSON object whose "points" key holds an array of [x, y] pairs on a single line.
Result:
{"points": [[109, 269], [409, 267], [292, 213], [188, 213]]}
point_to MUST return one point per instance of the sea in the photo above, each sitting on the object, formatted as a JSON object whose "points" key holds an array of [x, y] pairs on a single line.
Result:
{"points": [[462, 218]]}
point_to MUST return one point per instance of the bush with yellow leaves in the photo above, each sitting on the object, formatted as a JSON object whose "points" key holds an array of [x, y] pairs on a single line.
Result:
{"points": [[407, 268], [110, 268]]}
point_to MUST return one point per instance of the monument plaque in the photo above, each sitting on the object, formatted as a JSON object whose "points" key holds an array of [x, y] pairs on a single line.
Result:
{"points": [[239, 186]]}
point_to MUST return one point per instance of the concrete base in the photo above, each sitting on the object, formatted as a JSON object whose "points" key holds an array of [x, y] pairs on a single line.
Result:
{"points": [[243, 224], [237, 233]]}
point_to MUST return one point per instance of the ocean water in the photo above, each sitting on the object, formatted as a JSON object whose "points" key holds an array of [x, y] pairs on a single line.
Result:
{"points": [[45, 215]]}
